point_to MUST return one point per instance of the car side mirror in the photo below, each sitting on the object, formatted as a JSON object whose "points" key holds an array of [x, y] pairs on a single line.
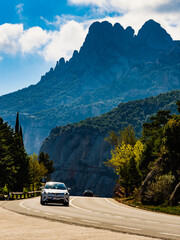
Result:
{"points": [[69, 189]]}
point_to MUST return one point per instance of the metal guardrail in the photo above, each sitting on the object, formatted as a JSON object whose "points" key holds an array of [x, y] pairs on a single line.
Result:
{"points": [[19, 195]]}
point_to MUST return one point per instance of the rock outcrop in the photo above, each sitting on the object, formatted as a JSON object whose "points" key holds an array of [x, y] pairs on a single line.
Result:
{"points": [[154, 36], [79, 157]]}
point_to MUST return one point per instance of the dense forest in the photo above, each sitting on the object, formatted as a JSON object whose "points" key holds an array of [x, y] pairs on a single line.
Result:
{"points": [[149, 166], [133, 113], [18, 171]]}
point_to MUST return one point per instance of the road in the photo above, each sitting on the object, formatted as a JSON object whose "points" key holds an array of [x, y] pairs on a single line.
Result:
{"points": [[103, 213]]}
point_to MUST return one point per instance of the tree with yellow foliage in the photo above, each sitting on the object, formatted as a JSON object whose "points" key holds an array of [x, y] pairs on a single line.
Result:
{"points": [[125, 159], [37, 171]]}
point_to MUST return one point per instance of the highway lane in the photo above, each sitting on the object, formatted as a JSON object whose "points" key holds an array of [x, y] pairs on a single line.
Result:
{"points": [[104, 213]]}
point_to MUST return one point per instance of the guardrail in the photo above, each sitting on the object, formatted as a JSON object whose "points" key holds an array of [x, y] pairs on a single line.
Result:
{"points": [[19, 195]]}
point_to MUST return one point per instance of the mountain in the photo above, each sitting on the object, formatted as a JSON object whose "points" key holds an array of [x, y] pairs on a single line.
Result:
{"points": [[79, 150], [114, 65]]}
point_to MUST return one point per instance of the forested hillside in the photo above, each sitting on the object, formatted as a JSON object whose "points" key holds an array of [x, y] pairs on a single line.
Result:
{"points": [[79, 150]]}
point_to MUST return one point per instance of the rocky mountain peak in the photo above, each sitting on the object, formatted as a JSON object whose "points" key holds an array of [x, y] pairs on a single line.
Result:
{"points": [[154, 36], [103, 35]]}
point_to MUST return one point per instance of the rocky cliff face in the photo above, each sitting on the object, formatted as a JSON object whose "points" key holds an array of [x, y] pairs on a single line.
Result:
{"points": [[79, 157], [112, 66]]}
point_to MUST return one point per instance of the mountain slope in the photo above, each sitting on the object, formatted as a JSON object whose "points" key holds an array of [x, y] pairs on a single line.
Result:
{"points": [[112, 66], [79, 150]]}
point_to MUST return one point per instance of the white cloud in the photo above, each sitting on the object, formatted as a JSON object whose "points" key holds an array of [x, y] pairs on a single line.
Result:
{"points": [[1, 58], [63, 42], [135, 13], [19, 8], [120, 5], [9, 38], [51, 45], [33, 39]]}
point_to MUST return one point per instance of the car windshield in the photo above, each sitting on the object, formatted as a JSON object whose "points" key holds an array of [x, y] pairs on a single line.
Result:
{"points": [[60, 186]]}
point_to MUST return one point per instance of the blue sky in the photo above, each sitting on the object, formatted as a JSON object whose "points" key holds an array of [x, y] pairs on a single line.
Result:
{"points": [[35, 34]]}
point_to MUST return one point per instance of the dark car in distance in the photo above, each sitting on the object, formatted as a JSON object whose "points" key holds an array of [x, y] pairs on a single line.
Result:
{"points": [[88, 193]]}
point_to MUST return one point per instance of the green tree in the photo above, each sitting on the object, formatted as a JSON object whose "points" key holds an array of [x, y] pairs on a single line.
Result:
{"points": [[125, 159], [37, 171], [152, 138], [7, 168], [21, 163], [48, 164], [14, 162], [17, 123], [160, 162], [178, 106], [127, 135]]}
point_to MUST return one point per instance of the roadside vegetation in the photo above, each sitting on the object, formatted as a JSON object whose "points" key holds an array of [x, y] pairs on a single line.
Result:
{"points": [[18, 171], [148, 168], [164, 208]]}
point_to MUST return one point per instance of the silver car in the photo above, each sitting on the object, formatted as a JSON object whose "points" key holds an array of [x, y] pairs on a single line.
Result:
{"points": [[55, 192]]}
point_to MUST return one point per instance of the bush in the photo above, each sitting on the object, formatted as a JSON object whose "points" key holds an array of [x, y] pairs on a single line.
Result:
{"points": [[158, 192]]}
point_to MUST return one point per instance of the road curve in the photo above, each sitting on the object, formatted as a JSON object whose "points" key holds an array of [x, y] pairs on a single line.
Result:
{"points": [[103, 213]]}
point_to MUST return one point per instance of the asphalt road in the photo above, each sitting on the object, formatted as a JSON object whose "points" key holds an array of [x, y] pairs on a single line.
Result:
{"points": [[103, 213]]}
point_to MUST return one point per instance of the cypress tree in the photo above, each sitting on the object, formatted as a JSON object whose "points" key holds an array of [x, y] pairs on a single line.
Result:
{"points": [[21, 135], [17, 123], [14, 161]]}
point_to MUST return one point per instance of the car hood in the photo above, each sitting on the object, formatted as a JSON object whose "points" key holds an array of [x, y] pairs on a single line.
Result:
{"points": [[55, 191]]}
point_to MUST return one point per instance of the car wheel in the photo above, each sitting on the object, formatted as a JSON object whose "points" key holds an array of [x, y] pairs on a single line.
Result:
{"points": [[42, 202], [66, 204]]}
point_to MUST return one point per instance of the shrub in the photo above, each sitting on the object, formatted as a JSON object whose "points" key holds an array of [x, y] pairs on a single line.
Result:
{"points": [[159, 191]]}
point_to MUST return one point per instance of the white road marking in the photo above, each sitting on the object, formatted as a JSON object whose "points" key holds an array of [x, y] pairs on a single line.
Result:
{"points": [[88, 221], [36, 211], [116, 205], [130, 228], [86, 210], [171, 234], [21, 205], [112, 203]]}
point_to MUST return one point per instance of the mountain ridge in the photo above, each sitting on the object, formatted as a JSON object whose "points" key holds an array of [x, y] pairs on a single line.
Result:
{"points": [[112, 66]]}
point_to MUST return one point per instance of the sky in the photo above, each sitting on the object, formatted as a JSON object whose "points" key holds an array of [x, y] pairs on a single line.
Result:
{"points": [[34, 34]]}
